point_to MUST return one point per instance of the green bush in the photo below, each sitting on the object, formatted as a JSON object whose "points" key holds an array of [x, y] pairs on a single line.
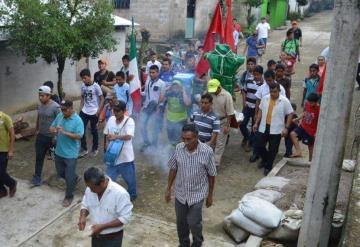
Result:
{"points": [[249, 31], [294, 16]]}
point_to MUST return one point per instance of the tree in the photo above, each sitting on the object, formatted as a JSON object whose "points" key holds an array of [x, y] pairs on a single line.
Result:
{"points": [[251, 18], [57, 30]]}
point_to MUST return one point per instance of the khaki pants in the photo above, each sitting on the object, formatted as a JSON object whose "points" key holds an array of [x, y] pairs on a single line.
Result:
{"points": [[220, 143], [107, 89]]}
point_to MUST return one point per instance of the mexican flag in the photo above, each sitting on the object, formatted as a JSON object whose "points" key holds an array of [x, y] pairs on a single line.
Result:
{"points": [[135, 84]]}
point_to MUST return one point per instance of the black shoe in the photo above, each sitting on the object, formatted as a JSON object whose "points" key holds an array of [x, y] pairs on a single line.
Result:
{"points": [[266, 172], [253, 158], [287, 155], [261, 164], [243, 143]]}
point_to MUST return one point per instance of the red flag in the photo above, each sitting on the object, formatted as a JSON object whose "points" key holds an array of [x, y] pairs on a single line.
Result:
{"points": [[216, 27], [229, 38], [321, 83]]}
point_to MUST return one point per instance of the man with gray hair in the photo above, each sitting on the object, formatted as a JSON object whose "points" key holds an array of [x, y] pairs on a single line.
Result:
{"points": [[109, 207], [193, 169]]}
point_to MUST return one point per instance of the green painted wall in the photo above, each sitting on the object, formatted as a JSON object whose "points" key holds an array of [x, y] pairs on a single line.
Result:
{"points": [[278, 11]]}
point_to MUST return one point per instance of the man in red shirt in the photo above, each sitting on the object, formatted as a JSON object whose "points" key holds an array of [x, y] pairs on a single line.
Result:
{"points": [[307, 128]]}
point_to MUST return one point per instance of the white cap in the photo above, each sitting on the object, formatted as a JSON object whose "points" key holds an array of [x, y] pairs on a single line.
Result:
{"points": [[170, 53], [45, 89]]}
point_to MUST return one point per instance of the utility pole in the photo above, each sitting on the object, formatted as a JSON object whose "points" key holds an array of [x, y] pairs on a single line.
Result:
{"points": [[323, 181]]}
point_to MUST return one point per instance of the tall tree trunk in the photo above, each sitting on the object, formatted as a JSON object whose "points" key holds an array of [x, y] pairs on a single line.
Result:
{"points": [[60, 70], [249, 16]]}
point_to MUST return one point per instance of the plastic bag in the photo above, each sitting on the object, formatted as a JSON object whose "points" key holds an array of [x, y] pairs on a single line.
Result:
{"points": [[237, 234], [112, 152], [240, 220], [261, 211], [268, 195], [274, 183], [348, 165], [287, 231]]}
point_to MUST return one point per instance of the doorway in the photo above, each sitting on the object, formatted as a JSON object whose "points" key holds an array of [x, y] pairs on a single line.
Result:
{"points": [[190, 19]]}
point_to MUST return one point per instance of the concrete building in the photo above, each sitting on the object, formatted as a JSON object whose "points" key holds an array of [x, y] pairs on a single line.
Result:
{"points": [[19, 80], [166, 19]]}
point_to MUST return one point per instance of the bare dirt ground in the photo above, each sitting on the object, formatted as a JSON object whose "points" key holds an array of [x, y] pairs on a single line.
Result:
{"points": [[153, 223]]}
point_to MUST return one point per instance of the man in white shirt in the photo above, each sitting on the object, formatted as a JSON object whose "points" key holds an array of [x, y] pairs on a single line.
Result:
{"points": [[270, 125], [263, 29], [154, 92], [153, 61], [121, 127], [91, 104], [109, 207]]}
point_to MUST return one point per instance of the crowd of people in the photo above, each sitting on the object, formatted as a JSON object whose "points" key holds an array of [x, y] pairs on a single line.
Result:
{"points": [[197, 121]]}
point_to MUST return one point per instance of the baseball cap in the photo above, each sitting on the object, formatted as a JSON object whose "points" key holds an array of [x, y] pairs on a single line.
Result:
{"points": [[169, 53], [213, 85], [45, 90], [66, 104]]}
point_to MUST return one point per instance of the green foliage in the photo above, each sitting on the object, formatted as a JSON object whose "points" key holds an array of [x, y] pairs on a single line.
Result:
{"points": [[249, 31], [57, 30], [294, 16], [302, 2], [254, 3]]}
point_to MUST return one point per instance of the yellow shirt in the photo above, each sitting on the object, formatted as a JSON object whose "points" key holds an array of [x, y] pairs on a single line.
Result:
{"points": [[270, 110], [5, 125]]}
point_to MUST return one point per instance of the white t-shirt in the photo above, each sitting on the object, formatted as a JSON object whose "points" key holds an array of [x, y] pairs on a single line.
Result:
{"points": [[91, 95], [264, 90], [150, 63], [263, 30], [113, 128]]}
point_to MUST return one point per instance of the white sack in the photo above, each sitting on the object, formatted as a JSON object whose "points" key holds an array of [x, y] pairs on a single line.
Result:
{"points": [[273, 183], [268, 195], [260, 211], [287, 231], [238, 219], [237, 234]]}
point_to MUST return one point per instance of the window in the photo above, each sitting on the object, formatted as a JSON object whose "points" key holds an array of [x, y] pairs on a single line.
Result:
{"points": [[122, 4]]}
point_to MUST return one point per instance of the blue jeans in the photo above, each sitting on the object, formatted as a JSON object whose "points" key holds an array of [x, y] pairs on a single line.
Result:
{"points": [[127, 172], [42, 146], [174, 130], [153, 120], [93, 119], [66, 169], [249, 113]]}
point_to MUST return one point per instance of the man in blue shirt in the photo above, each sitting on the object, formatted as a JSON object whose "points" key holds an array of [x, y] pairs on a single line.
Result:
{"points": [[166, 74], [69, 130], [122, 91], [252, 45]]}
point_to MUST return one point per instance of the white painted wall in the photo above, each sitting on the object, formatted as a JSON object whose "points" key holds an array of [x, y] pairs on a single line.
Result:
{"points": [[19, 81]]}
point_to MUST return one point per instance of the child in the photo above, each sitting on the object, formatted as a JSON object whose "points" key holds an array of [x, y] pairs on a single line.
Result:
{"points": [[311, 83], [282, 79], [91, 104], [271, 65], [307, 129], [293, 126], [107, 112], [122, 91]]}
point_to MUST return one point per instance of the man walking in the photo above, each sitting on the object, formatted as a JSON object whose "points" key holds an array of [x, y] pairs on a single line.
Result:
{"points": [[91, 104], [154, 97], [270, 124], [47, 112], [104, 78], [121, 127], [69, 129], [297, 32], [7, 140], [193, 170], [223, 106], [263, 29], [109, 207]]}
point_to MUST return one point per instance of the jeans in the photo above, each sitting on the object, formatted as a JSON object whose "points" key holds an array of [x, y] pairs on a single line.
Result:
{"points": [[174, 130], [249, 113], [93, 122], [153, 120], [5, 179], [268, 156], [127, 172], [66, 169], [42, 146], [189, 218], [115, 241]]}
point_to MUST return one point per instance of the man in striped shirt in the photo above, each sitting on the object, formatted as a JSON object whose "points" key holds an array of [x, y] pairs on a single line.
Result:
{"points": [[206, 121], [193, 169], [249, 103]]}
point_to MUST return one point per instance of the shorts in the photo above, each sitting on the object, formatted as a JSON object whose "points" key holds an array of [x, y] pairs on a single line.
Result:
{"points": [[304, 136]]}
